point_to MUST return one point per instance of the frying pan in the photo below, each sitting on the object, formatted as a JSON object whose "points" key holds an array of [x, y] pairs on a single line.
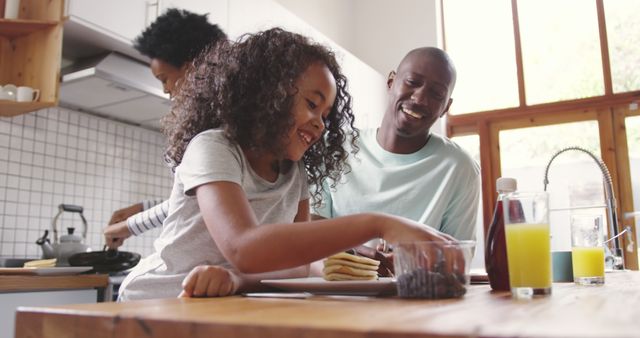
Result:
{"points": [[106, 261]]}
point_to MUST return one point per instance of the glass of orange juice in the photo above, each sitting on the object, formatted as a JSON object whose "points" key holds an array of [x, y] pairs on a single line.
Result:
{"points": [[528, 243], [587, 249]]}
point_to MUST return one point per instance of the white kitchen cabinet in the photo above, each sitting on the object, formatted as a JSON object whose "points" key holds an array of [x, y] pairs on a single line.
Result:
{"points": [[119, 19], [9, 302], [217, 10]]}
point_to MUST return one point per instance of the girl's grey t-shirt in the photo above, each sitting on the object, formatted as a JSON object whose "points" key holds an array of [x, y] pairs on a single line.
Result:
{"points": [[185, 242]]}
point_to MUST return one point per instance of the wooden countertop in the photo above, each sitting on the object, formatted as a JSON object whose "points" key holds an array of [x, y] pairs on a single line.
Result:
{"points": [[21, 283], [612, 310]]}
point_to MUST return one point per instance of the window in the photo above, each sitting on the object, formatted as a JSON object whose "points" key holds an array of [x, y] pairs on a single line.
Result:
{"points": [[560, 50], [633, 140], [575, 180], [623, 25], [471, 144], [538, 75], [525, 152], [486, 66]]}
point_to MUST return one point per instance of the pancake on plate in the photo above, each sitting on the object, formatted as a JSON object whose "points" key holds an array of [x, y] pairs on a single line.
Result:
{"points": [[344, 267]]}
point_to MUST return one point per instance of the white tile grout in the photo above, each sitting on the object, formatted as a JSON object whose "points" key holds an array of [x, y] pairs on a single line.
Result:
{"points": [[58, 156]]}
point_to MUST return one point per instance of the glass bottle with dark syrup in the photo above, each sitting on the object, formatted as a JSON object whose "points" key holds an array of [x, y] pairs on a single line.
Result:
{"points": [[495, 253]]}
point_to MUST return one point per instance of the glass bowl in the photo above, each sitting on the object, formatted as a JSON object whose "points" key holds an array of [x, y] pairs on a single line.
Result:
{"points": [[433, 270]]}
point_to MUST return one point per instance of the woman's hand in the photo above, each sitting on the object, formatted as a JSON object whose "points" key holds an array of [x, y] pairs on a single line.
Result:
{"points": [[115, 234], [121, 215], [210, 281]]}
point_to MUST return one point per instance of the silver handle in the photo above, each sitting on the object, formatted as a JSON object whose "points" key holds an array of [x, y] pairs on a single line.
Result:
{"points": [[69, 208]]}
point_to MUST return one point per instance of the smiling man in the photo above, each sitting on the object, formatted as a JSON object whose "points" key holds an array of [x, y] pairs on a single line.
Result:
{"points": [[405, 169]]}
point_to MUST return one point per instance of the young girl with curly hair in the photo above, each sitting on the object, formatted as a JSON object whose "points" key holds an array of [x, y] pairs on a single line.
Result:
{"points": [[255, 124]]}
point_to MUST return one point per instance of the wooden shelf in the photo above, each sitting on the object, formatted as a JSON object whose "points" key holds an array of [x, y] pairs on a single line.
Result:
{"points": [[15, 28], [31, 52], [12, 108]]}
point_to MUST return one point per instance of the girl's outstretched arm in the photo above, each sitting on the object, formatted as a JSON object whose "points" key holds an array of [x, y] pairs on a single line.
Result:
{"points": [[253, 249], [216, 281]]}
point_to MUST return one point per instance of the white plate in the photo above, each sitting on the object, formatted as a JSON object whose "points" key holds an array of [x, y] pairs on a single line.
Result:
{"points": [[53, 271], [479, 276], [319, 286]]}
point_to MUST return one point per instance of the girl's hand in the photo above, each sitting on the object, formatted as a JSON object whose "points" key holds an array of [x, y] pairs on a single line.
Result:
{"points": [[442, 253], [399, 229], [210, 281], [449, 257]]}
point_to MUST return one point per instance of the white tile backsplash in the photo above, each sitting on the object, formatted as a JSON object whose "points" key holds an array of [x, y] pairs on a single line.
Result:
{"points": [[56, 156]]}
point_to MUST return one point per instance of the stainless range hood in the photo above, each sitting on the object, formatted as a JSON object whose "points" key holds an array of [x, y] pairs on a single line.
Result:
{"points": [[115, 86]]}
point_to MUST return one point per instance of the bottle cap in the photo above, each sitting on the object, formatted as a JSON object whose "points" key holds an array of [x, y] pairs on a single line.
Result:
{"points": [[506, 184]]}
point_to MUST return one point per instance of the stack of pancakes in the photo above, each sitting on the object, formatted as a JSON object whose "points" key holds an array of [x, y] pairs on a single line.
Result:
{"points": [[41, 263], [344, 266]]}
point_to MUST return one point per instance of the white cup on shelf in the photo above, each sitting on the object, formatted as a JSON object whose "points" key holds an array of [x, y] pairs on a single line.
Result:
{"points": [[27, 94], [11, 9]]}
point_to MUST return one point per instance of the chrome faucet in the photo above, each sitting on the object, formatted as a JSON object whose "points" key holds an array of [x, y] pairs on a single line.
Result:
{"points": [[610, 200]]}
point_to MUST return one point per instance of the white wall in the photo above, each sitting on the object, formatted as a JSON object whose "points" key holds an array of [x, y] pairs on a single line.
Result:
{"points": [[55, 156], [377, 32], [217, 10], [365, 84], [333, 18], [370, 37], [386, 30]]}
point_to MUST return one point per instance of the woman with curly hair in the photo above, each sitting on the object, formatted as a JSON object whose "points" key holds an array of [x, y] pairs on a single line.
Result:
{"points": [[172, 42], [257, 123]]}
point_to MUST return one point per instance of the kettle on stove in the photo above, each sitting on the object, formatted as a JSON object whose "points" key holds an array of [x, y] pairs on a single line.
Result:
{"points": [[69, 243]]}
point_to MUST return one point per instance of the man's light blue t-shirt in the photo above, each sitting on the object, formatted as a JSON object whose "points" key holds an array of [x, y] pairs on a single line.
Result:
{"points": [[439, 185]]}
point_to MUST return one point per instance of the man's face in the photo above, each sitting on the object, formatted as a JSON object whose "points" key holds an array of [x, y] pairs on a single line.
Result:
{"points": [[419, 94], [168, 74]]}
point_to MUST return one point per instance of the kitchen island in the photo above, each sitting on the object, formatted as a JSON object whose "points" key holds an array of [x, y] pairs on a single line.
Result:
{"points": [[611, 310], [34, 290], [21, 283]]}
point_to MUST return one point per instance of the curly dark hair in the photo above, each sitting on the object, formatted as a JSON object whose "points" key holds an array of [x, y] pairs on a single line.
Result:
{"points": [[178, 36], [247, 89]]}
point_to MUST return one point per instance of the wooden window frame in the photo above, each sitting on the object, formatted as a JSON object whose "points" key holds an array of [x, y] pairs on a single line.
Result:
{"points": [[609, 110]]}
